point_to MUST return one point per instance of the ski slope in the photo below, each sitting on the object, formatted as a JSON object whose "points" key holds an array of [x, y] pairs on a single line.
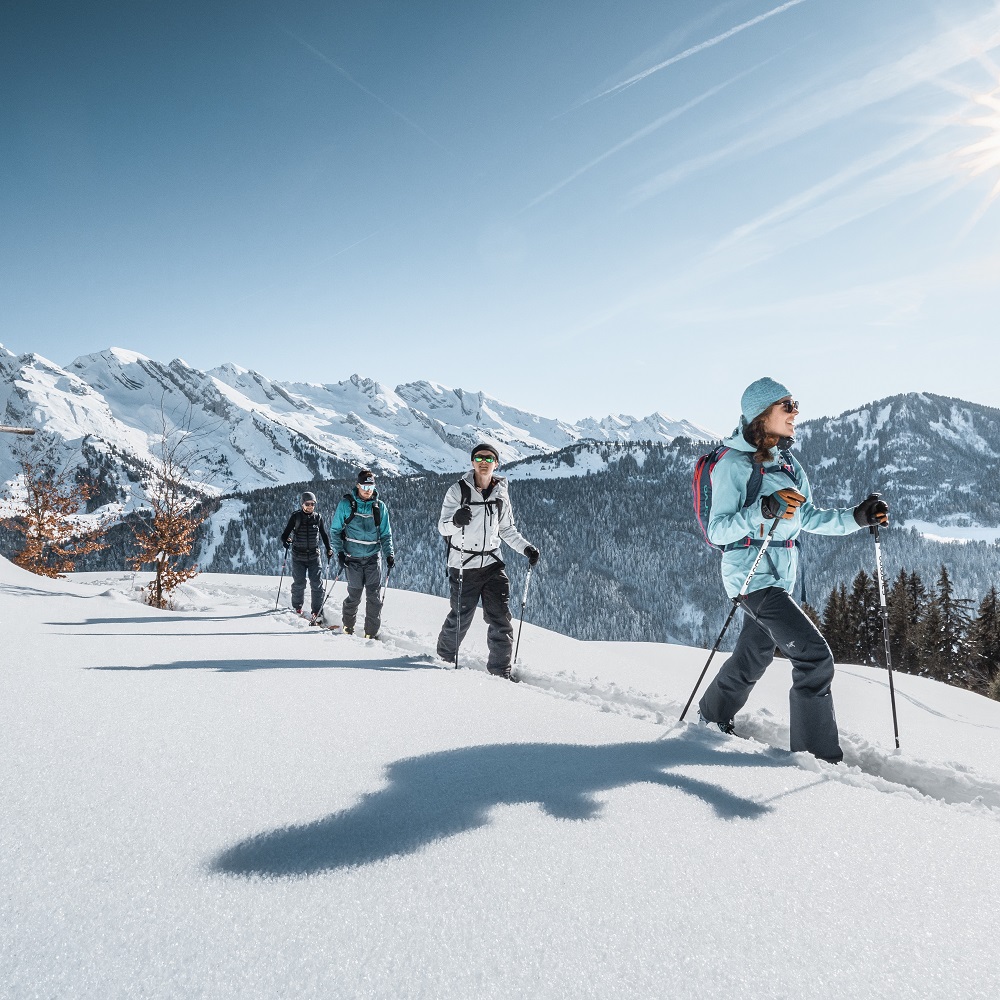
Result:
{"points": [[222, 802]]}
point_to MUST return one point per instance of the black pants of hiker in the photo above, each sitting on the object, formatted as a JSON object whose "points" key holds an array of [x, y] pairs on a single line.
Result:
{"points": [[300, 567], [363, 575], [492, 587], [780, 623]]}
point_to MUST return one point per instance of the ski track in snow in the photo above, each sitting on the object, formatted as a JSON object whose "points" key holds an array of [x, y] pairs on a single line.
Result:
{"points": [[865, 764]]}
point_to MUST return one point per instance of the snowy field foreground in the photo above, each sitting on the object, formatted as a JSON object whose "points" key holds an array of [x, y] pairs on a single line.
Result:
{"points": [[220, 802]]}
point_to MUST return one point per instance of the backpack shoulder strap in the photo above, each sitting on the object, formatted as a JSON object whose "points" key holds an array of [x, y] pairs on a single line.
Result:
{"points": [[754, 483], [466, 491]]}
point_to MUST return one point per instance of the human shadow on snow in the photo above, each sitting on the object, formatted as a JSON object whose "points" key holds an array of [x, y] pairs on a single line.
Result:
{"points": [[245, 666], [443, 794], [166, 618]]}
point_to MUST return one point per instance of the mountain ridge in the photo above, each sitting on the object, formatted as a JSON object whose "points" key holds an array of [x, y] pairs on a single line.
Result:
{"points": [[258, 432]]}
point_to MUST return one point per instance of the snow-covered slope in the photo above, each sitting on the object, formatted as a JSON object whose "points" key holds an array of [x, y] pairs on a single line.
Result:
{"points": [[219, 802], [935, 458], [109, 411]]}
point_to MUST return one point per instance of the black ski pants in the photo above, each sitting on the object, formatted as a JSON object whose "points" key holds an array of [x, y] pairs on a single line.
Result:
{"points": [[492, 587], [775, 620], [363, 575], [300, 567]]}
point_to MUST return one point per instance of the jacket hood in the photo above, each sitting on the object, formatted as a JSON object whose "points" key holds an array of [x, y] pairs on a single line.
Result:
{"points": [[738, 442]]}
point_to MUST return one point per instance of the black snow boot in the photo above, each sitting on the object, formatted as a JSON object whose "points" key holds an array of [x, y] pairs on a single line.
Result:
{"points": [[726, 727]]}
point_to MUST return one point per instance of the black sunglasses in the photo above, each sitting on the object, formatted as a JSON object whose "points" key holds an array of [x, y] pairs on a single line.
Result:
{"points": [[790, 405], [483, 458]]}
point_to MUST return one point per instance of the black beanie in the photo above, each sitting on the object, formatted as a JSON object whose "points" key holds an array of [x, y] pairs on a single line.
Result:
{"points": [[486, 447]]}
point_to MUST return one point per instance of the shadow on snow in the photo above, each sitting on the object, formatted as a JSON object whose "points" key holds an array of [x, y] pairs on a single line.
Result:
{"points": [[444, 794], [245, 666], [165, 618]]}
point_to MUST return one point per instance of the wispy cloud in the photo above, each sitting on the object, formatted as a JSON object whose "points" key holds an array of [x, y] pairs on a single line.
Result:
{"points": [[635, 137], [876, 188], [692, 51], [926, 63], [360, 86]]}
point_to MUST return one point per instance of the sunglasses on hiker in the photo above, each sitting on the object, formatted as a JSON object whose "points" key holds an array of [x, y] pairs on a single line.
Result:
{"points": [[308, 503], [790, 405], [483, 458]]}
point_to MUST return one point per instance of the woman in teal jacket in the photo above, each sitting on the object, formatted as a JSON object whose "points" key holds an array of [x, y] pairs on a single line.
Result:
{"points": [[772, 619]]}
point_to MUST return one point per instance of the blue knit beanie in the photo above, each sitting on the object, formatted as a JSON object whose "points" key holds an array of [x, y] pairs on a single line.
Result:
{"points": [[759, 395]]}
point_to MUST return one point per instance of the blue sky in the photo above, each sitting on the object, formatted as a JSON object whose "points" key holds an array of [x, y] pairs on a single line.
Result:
{"points": [[579, 208]]}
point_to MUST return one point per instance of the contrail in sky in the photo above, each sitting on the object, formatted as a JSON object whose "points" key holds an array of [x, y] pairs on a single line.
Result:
{"points": [[634, 137], [694, 50], [350, 79]]}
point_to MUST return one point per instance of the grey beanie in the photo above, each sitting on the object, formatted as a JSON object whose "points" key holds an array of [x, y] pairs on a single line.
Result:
{"points": [[759, 395], [308, 497], [486, 447]]}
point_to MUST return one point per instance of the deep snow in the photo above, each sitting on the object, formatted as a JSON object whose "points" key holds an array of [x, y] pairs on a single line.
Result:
{"points": [[222, 802]]}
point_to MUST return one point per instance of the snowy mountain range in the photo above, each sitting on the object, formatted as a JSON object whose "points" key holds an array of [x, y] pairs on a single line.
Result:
{"points": [[252, 432], [934, 457]]}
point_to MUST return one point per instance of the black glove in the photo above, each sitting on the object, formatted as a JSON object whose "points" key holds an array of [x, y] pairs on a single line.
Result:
{"points": [[533, 555], [872, 510], [462, 517], [342, 559], [782, 504], [390, 561], [329, 553]]}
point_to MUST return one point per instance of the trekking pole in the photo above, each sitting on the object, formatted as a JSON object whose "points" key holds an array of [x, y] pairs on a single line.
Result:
{"points": [[281, 578], [458, 610], [885, 628], [524, 601], [385, 586], [732, 611], [329, 589]]}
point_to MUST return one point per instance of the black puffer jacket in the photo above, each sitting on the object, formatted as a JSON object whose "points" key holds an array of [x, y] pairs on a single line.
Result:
{"points": [[305, 531]]}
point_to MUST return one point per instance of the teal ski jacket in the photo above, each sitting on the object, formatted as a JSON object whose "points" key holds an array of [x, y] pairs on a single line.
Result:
{"points": [[729, 522], [361, 538]]}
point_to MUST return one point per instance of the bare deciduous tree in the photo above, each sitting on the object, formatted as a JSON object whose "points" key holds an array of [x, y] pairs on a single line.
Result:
{"points": [[46, 504], [166, 533]]}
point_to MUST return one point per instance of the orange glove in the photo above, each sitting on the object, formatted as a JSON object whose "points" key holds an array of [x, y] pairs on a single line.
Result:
{"points": [[782, 504]]}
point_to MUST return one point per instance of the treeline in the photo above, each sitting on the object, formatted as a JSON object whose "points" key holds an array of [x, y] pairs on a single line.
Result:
{"points": [[932, 632]]}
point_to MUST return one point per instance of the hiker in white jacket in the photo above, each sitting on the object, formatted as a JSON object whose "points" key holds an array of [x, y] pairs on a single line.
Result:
{"points": [[475, 516]]}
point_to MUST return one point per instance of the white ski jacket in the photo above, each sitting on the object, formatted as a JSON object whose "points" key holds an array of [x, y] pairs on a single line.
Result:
{"points": [[492, 520]]}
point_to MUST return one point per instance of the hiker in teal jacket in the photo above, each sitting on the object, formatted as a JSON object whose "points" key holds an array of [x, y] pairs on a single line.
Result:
{"points": [[772, 619], [361, 532]]}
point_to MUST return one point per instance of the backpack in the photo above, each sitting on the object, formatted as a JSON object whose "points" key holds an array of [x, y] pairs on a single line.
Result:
{"points": [[701, 489], [376, 514], [467, 501]]}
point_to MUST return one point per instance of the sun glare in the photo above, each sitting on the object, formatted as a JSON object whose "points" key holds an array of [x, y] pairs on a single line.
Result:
{"points": [[983, 156]]}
